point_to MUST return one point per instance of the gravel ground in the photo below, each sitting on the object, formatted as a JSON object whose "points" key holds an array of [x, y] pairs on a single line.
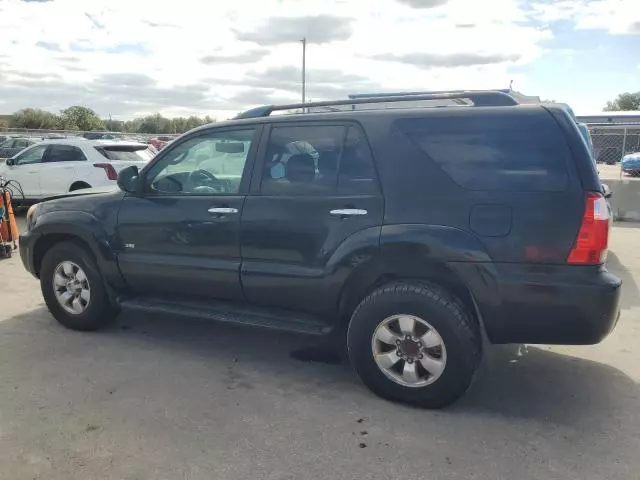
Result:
{"points": [[160, 398]]}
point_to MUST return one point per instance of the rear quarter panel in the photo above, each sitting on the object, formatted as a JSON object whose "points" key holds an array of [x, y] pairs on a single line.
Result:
{"points": [[538, 227]]}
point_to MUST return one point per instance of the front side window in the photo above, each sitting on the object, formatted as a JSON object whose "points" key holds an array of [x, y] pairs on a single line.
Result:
{"points": [[33, 155], [209, 164], [317, 160], [64, 153]]}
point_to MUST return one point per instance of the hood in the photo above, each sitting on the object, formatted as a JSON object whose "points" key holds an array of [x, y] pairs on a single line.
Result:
{"points": [[85, 191]]}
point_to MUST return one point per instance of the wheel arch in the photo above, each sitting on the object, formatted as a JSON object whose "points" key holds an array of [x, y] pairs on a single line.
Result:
{"points": [[362, 283], [82, 227], [422, 253], [78, 184], [46, 242]]}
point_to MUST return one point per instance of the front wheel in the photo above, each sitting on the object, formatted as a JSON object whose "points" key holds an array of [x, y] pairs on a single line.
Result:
{"points": [[414, 343], [73, 288]]}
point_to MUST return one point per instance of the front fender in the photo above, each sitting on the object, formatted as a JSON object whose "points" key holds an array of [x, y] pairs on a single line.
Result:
{"points": [[88, 229]]}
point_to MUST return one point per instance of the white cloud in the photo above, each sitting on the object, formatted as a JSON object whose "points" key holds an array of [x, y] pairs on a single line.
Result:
{"points": [[218, 57], [618, 17]]}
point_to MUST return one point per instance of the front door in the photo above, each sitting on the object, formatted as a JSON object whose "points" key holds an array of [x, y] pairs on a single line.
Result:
{"points": [[25, 172], [181, 234], [313, 188]]}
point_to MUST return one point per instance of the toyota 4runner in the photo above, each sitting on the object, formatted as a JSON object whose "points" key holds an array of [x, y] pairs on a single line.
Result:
{"points": [[417, 232]]}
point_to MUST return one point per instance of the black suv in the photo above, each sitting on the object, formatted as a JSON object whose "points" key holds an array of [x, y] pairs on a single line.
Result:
{"points": [[417, 232]]}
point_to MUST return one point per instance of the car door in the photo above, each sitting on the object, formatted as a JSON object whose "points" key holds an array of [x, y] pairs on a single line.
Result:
{"points": [[314, 187], [58, 169], [24, 168], [181, 235]]}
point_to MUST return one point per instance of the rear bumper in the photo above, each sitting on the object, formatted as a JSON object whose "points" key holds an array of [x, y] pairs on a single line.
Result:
{"points": [[566, 305]]}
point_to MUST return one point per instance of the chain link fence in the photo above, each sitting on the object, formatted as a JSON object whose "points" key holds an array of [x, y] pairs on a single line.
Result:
{"points": [[51, 133], [612, 142]]}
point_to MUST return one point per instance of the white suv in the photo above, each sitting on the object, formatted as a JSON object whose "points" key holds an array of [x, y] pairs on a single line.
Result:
{"points": [[52, 167]]}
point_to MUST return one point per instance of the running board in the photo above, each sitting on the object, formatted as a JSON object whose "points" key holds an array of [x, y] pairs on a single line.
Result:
{"points": [[229, 313]]}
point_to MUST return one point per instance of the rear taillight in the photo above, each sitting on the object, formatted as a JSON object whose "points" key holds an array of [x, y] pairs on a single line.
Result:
{"points": [[108, 169], [590, 247]]}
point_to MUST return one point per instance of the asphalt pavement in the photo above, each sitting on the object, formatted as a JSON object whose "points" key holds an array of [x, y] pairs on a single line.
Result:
{"points": [[169, 398]]}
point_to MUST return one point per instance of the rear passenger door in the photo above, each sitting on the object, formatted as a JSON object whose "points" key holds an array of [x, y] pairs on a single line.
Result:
{"points": [[313, 187], [60, 168]]}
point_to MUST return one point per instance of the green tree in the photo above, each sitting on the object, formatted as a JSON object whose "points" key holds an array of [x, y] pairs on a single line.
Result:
{"points": [[82, 118], [624, 102], [85, 119], [33, 118], [114, 125], [155, 124]]}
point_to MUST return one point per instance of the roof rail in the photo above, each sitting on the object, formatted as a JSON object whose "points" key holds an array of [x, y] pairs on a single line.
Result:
{"points": [[517, 96], [480, 98]]}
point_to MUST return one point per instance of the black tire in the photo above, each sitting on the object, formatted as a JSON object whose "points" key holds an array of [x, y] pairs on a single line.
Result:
{"points": [[458, 330], [99, 311]]}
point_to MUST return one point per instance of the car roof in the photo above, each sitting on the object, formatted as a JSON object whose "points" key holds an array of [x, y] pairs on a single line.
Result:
{"points": [[83, 142], [355, 115], [125, 143]]}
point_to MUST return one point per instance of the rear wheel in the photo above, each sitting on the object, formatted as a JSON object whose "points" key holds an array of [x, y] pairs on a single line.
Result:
{"points": [[73, 288], [414, 343]]}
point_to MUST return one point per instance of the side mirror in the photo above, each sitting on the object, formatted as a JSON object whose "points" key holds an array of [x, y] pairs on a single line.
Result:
{"points": [[606, 191], [10, 162], [129, 179]]}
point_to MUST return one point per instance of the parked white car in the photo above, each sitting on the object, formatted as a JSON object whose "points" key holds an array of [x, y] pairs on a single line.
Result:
{"points": [[53, 167]]}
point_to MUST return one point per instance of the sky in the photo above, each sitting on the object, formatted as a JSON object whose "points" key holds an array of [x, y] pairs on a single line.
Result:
{"points": [[125, 58]]}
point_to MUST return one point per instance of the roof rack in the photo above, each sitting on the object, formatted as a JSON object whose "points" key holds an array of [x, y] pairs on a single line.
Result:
{"points": [[480, 98], [517, 96]]}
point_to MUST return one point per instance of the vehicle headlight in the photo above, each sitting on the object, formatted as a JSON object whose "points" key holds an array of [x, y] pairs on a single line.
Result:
{"points": [[31, 216]]}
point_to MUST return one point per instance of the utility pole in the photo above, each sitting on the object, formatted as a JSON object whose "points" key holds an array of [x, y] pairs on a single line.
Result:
{"points": [[304, 70]]}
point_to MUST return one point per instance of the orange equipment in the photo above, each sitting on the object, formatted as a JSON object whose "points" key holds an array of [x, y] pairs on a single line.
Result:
{"points": [[8, 227]]}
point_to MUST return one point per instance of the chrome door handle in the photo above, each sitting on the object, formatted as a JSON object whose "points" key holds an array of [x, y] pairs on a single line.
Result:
{"points": [[348, 212], [222, 210]]}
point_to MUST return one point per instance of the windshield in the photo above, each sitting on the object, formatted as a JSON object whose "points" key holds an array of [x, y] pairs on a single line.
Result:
{"points": [[132, 153], [211, 155]]}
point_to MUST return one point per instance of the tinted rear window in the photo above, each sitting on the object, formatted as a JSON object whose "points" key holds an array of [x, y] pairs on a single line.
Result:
{"points": [[129, 153], [495, 152]]}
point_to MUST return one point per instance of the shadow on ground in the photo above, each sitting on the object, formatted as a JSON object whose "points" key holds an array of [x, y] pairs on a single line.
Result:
{"points": [[534, 383], [516, 381]]}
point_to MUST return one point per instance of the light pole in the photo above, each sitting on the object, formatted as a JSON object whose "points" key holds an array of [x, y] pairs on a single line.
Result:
{"points": [[304, 70]]}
